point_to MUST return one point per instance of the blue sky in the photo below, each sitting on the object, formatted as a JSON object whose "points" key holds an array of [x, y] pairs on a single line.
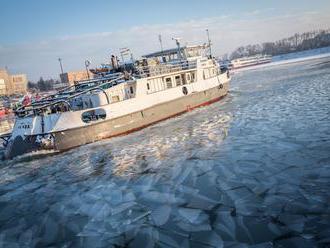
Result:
{"points": [[34, 33]]}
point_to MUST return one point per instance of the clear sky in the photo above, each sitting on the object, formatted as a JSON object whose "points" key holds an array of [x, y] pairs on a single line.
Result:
{"points": [[33, 34]]}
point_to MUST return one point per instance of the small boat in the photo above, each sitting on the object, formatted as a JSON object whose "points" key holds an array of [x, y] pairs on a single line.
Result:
{"points": [[250, 61], [125, 99]]}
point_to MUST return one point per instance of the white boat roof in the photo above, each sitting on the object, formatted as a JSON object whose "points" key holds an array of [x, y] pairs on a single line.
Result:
{"points": [[171, 51]]}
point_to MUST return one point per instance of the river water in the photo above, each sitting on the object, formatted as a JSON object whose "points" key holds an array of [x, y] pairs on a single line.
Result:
{"points": [[250, 171]]}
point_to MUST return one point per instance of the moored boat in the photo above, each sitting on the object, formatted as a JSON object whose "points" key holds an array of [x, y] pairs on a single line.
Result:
{"points": [[159, 86], [250, 61]]}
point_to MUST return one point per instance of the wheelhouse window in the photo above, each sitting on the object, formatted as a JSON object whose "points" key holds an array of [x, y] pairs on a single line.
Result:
{"points": [[178, 80], [206, 73], [188, 78], [193, 77], [168, 82]]}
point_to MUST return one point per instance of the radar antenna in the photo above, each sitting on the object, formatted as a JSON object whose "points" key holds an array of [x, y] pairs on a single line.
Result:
{"points": [[177, 41]]}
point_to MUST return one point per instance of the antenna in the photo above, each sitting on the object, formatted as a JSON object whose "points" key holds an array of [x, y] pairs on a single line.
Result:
{"points": [[87, 64], [161, 42], [177, 41], [123, 52], [60, 60], [209, 41]]}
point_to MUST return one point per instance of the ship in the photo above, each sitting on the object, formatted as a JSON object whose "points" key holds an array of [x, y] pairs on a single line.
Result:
{"points": [[119, 101], [250, 61]]}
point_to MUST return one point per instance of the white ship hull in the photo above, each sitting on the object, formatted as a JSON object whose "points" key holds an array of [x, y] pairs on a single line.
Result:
{"points": [[148, 104], [250, 61]]}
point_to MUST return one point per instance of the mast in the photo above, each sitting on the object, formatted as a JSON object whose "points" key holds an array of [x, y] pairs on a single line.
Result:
{"points": [[123, 52], [177, 41], [209, 41], [87, 64], [161, 42], [60, 60]]}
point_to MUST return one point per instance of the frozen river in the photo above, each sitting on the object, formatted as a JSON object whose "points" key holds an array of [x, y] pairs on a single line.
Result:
{"points": [[252, 170]]}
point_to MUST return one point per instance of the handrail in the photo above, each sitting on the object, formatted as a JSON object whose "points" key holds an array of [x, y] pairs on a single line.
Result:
{"points": [[105, 93], [153, 70], [70, 97], [83, 82], [54, 104]]}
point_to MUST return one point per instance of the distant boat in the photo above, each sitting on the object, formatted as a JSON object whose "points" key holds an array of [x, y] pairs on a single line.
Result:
{"points": [[250, 61], [119, 101]]}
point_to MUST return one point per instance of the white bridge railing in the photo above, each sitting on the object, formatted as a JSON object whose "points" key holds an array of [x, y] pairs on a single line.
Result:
{"points": [[158, 69]]}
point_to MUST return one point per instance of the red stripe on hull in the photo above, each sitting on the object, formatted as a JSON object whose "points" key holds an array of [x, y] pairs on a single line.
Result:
{"points": [[168, 117]]}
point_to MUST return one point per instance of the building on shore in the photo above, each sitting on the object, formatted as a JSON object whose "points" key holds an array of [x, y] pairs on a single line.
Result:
{"points": [[12, 84], [69, 78]]}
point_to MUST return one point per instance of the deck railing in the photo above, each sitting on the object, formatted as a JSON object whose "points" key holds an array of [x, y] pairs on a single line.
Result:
{"points": [[163, 68], [76, 88], [39, 108], [90, 85]]}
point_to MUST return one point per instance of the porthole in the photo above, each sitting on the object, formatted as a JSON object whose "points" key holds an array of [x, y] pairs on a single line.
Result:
{"points": [[93, 115], [184, 90]]}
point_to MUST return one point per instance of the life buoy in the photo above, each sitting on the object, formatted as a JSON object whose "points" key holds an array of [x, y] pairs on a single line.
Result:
{"points": [[185, 90], [220, 86]]}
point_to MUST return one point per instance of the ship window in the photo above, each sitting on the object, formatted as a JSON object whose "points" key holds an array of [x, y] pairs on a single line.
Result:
{"points": [[148, 86], [188, 78], [115, 98], [168, 82], [93, 115], [193, 77], [183, 78], [178, 80], [131, 90], [206, 73]]}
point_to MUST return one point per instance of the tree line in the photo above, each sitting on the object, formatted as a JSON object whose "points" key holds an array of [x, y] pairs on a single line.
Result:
{"points": [[42, 84], [298, 42]]}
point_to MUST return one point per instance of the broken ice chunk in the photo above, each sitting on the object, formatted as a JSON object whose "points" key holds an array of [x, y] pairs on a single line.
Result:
{"points": [[210, 238], [51, 230], [167, 241], [122, 207], [193, 227], [161, 197], [225, 223], [190, 214], [146, 237], [161, 215]]}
